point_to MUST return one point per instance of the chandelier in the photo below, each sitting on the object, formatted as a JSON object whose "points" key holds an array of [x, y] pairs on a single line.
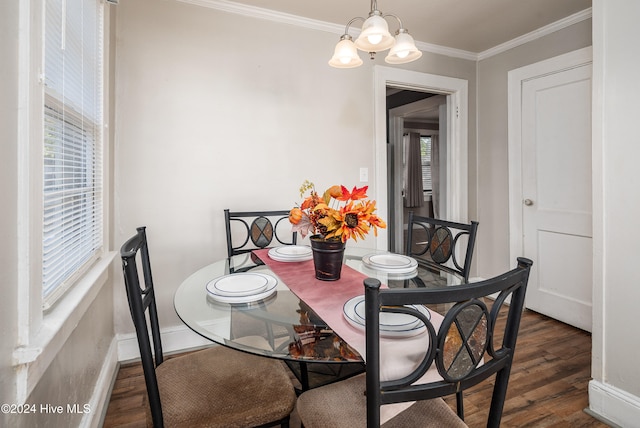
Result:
{"points": [[373, 38]]}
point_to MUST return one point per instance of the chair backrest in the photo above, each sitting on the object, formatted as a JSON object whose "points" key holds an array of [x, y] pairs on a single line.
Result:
{"points": [[467, 335], [259, 227], [142, 303], [434, 242]]}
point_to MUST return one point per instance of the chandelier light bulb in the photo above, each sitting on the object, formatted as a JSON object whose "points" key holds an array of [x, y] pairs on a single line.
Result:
{"points": [[404, 50], [375, 36], [345, 54], [374, 39]]}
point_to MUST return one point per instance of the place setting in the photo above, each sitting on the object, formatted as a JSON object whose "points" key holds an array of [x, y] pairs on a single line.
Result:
{"points": [[291, 253], [396, 265], [391, 324], [241, 288]]}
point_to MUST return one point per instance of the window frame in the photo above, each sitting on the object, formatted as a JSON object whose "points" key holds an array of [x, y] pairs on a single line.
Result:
{"points": [[42, 334]]}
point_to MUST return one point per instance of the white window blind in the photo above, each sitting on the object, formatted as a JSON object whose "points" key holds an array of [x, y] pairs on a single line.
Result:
{"points": [[72, 192]]}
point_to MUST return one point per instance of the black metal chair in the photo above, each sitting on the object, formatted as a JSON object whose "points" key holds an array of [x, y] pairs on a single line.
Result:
{"points": [[469, 347], [433, 242], [215, 387], [261, 227]]}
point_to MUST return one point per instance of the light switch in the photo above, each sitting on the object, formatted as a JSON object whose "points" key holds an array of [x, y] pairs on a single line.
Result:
{"points": [[364, 175]]}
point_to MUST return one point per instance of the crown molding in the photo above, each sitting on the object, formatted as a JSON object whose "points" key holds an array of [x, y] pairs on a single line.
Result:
{"points": [[314, 24], [536, 34], [338, 29]]}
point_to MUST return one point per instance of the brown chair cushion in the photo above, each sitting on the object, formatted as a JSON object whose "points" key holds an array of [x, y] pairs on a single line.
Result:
{"points": [[221, 387], [343, 405]]}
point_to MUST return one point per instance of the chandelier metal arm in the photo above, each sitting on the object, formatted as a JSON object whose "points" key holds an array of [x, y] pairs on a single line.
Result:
{"points": [[346, 28], [401, 27]]}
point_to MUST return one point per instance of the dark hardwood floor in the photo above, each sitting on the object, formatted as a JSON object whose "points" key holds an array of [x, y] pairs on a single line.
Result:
{"points": [[547, 388]]}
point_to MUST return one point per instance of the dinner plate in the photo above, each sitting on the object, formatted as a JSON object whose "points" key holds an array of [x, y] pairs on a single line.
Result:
{"points": [[388, 275], [389, 320], [269, 289], [291, 253], [240, 284], [393, 263], [348, 310]]}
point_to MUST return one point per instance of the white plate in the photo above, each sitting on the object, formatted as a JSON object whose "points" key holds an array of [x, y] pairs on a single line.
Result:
{"points": [[240, 284], [291, 253], [392, 263], [268, 291], [389, 320], [388, 274], [348, 310]]}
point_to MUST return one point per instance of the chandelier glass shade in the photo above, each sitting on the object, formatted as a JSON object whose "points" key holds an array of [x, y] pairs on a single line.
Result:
{"points": [[375, 37]]}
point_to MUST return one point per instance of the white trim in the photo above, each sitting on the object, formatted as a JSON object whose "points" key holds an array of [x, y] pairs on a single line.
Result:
{"points": [[174, 339], [32, 361], [515, 79], [102, 391], [314, 24], [457, 116], [536, 34], [613, 405]]}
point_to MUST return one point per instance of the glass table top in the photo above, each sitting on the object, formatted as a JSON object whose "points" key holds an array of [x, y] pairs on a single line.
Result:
{"points": [[281, 325]]}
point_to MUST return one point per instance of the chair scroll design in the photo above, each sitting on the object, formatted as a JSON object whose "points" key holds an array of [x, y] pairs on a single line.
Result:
{"points": [[434, 242], [467, 348], [261, 227], [466, 336]]}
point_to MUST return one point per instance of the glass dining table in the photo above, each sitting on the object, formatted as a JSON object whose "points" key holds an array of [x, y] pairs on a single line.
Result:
{"points": [[283, 325]]}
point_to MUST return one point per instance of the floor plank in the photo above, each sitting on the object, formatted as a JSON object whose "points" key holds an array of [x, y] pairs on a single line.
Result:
{"points": [[547, 388]]}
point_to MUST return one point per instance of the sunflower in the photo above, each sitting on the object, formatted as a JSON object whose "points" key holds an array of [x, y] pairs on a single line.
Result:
{"points": [[351, 221]]}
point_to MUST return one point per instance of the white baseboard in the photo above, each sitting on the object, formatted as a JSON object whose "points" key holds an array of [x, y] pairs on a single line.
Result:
{"points": [[102, 391], [174, 339], [613, 405]]}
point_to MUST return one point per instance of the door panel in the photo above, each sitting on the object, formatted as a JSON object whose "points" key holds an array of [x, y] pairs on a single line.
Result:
{"points": [[556, 188]]}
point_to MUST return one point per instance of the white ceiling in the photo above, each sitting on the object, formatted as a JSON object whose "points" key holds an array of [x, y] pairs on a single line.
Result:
{"points": [[469, 25]]}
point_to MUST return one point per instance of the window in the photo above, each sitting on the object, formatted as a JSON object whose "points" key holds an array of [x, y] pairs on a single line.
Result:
{"points": [[425, 157], [72, 163]]}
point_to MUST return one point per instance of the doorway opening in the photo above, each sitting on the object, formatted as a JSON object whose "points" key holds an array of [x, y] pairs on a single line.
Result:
{"points": [[417, 158], [387, 192]]}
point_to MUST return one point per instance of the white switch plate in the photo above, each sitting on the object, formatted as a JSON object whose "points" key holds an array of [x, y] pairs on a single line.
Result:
{"points": [[364, 175]]}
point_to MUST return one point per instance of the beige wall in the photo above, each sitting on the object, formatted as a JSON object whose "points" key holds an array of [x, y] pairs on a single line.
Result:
{"points": [[492, 245], [73, 374], [215, 111]]}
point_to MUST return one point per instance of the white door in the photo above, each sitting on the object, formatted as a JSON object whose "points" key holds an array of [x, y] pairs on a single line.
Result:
{"points": [[556, 193]]}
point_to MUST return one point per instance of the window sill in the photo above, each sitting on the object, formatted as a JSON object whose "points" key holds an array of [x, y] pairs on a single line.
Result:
{"points": [[58, 324]]}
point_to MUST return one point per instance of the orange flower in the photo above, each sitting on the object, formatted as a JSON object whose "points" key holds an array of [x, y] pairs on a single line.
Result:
{"points": [[320, 216]]}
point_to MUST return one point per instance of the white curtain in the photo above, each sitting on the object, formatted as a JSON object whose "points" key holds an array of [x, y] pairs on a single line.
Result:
{"points": [[414, 196], [435, 175]]}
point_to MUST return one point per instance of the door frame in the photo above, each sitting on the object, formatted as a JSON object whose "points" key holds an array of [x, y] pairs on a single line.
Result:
{"points": [[516, 78], [456, 91]]}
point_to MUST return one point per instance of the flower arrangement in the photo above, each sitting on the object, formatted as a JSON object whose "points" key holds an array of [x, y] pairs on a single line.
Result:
{"points": [[338, 214]]}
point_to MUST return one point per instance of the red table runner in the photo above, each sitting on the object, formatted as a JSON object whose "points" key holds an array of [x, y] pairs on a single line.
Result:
{"points": [[398, 356], [327, 298]]}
